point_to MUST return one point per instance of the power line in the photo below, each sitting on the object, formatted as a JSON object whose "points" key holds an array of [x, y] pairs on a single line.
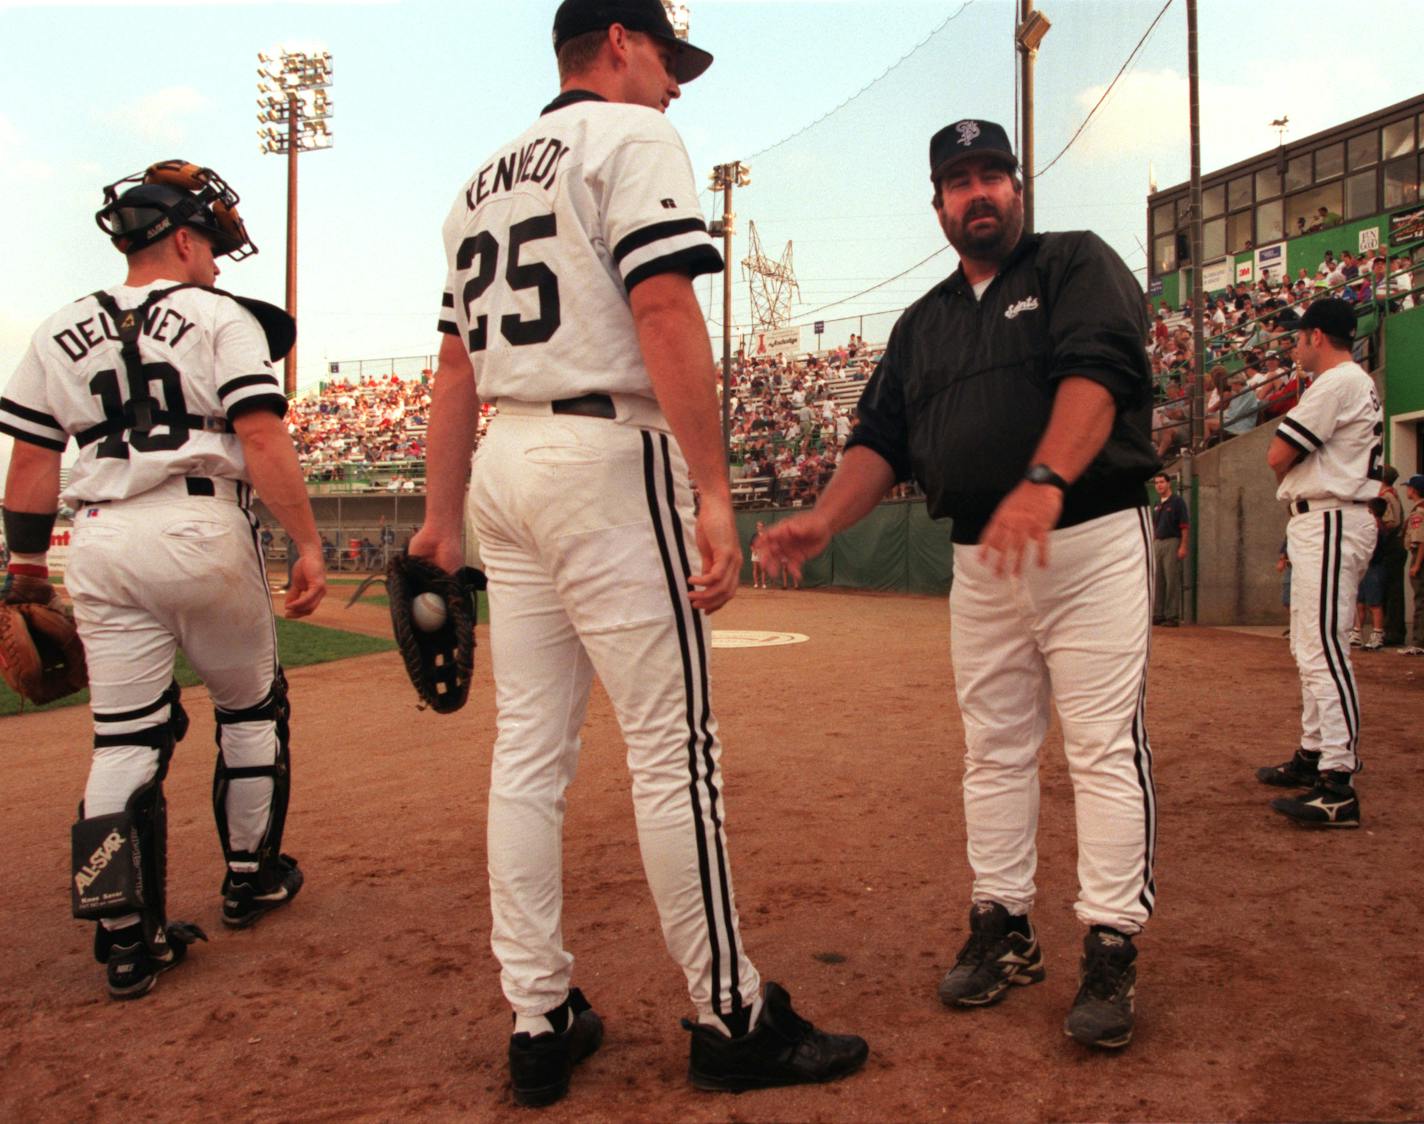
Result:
{"points": [[872, 288], [1126, 63]]}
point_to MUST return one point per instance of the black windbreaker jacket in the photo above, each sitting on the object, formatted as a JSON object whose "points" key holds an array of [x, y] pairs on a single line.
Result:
{"points": [[965, 388]]}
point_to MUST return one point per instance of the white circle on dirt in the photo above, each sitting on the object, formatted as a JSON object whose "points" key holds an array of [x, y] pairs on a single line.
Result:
{"points": [[734, 638]]}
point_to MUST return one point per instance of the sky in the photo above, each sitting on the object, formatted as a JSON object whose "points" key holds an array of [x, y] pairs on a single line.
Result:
{"points": [[831, 103]]}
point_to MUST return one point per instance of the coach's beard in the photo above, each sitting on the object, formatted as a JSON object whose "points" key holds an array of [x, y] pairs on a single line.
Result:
{"points": [[995, 244]]}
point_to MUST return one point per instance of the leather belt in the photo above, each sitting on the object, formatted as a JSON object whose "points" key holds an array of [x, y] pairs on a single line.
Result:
{"points": [[585, 406], [193, 485], [1300, 507]]}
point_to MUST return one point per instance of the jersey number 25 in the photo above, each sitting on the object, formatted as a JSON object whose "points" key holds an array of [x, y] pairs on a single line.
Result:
{"points": [[478, 259]]}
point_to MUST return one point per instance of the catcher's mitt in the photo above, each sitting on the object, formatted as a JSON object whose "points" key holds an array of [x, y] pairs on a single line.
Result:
{"points": [[40, 653], [440, 661]]}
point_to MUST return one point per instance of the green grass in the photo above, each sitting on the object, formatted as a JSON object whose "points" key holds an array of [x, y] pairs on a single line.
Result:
{"points": [[298, 644]]}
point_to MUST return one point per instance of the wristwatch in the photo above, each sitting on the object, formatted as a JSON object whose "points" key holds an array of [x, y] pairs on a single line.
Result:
{"points": [[1042, 474]]}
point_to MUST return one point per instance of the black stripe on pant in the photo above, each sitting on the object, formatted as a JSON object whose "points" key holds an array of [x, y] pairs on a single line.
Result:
{"points": [[712, 867], [1331, 562], [1142, 755]]}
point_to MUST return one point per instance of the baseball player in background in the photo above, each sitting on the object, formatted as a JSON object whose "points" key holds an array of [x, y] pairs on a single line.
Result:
{"points": [[569, 304], [166, 386], [1018, 393], [1327, 456]]}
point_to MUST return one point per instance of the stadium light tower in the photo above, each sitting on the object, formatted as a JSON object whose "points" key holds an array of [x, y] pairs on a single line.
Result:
{"points": [[724, 178], [293, 110]]}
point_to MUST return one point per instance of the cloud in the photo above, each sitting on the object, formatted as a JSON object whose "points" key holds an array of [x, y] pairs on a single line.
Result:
{"points": [[160, 117], [1145, 117]]}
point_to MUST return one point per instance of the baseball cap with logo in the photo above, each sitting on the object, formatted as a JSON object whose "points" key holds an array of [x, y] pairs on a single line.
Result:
{"points": [[1332, 316], [578, 17], [966, 138]]}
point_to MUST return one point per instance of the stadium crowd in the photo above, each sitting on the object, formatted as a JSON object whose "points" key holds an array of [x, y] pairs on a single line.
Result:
{"points": [[791, 415]]}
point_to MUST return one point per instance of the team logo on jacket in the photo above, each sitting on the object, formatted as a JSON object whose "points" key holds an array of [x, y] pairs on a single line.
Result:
{"points": [[1025, 305], [967, 131]]}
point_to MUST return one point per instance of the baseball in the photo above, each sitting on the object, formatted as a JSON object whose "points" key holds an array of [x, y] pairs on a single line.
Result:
{"points": [[428, 611]]}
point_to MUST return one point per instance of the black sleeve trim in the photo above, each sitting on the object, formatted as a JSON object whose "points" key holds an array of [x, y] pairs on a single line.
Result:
{"points": [[644, 235], [31, 439], [1285, 436], [694, 262], [28, 414], [273, 402], [247, 380], [1302, 432], [448, 327]]}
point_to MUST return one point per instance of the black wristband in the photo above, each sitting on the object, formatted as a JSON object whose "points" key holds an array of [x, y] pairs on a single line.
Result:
{"points": [[1042, 474], [28, 532]]}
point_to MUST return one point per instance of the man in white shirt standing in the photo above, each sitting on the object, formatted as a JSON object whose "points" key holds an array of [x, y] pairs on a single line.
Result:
{"points": [[1327, 456], [569, 303]]}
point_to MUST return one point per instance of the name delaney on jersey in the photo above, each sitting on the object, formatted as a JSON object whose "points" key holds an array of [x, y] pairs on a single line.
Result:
{"points": [[519, 166], [78, 339]]}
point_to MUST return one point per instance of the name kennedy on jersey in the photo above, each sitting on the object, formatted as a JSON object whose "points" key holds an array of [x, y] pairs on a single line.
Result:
{"points": [[163, 324], [519, 166]]}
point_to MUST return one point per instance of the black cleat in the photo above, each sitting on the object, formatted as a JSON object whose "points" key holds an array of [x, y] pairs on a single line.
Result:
{"points": [[1301, 771], [1102, 1012], [994, 957], [782, 1049], [540, 1065], [246, 901], [132, 966], [1331, 803]]}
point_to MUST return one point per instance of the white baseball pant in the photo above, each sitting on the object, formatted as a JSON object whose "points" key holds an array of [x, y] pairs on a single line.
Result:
{"points": [[586, 531], [1075, 634], [1329, 551], [162, 571]]}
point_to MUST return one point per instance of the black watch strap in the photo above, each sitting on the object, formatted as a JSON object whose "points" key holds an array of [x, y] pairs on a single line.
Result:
{"points": [[1042, 474]]}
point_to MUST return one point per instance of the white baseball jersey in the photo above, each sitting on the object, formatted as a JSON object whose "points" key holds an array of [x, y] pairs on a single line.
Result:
{"points": [[1337, 427], [205, 359], [548, 237]]}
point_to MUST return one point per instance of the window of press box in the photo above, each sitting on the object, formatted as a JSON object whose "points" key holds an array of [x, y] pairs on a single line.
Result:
{"points": [[1164, 217], [1164, 253], [1303, 208], [1213, 238], [1401, 181], [1238, 231], [1238, 193], [1360, 194], [1298, 172], [1399, 138], [1363, 150], [1329, 161], [1270, 222], [1268, 183], [1213, 201]]}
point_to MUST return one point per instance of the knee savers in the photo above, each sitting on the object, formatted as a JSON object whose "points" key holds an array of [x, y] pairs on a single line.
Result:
{"points": [[246, 752], [120, 859]]}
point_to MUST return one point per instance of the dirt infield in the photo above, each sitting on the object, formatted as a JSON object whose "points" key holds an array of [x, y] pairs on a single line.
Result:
{"points": [[1280, 978]]}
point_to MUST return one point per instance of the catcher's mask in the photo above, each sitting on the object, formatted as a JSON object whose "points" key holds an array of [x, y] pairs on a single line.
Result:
{"points": [[167, 195]]}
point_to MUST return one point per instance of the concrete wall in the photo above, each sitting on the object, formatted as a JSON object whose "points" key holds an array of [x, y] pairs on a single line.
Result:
{"points": [[1239, 526]]}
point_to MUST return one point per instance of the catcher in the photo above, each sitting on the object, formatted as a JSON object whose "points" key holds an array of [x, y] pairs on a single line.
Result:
{"points": [[166, 386]]}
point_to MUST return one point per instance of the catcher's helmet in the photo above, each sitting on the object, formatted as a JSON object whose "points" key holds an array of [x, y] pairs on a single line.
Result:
{"points": [[168, 195]]}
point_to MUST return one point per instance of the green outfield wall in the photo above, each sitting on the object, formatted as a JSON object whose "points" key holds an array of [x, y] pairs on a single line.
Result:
{"points": [[1404, 362], [897, 548]]}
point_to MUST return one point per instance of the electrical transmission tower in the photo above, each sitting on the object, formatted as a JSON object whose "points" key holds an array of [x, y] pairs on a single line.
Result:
{"points": [[772, 283]]}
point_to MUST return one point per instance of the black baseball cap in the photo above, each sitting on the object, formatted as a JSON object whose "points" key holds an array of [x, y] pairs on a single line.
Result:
{"points": [[1416, 482], [578, 17], [969, 137], [1332, 316]]}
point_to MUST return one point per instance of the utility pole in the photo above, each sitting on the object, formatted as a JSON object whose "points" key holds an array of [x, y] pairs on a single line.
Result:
{"points": [[1195, 221], [724, 178], [1033, 26]]}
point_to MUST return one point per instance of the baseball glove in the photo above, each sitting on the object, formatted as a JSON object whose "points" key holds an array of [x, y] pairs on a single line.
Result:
{"points": [[40, 653], [441, 661]]}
